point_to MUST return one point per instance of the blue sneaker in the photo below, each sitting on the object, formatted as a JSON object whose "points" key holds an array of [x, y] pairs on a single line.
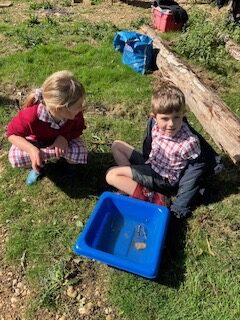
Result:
{"points": [[33, 177]]}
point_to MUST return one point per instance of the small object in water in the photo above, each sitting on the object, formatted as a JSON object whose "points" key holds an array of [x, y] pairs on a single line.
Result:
{"points": [[141, 233], [140, 245]]}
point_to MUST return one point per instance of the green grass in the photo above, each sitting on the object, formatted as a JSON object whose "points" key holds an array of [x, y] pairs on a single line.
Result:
{"points": [[200, 268]]}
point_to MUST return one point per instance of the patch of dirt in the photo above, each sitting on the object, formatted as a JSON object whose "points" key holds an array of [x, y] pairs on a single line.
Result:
{"points": [[219, 228], [13, 288], [81, 296], [119, 13]]}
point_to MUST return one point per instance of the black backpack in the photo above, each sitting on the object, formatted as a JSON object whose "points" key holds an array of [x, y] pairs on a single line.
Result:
{"points": [[221, 3]]}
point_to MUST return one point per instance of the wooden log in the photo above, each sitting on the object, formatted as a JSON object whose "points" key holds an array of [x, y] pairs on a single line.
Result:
{"points": [[214, 115], [231, 46], [233, 49], [5, 4]]}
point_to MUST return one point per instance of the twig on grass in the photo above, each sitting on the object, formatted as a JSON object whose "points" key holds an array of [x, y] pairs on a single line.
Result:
{"points": [[209, 248]]}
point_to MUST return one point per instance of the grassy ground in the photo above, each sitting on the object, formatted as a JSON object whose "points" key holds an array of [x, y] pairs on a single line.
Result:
{"points": [[200, 268]]}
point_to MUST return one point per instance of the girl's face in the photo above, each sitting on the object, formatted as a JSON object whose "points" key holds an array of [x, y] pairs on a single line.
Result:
{"points": [[69, 113], [169, 124]]}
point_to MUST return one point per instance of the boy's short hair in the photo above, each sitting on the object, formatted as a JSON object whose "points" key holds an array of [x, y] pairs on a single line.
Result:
{"points": [[167, 99]]}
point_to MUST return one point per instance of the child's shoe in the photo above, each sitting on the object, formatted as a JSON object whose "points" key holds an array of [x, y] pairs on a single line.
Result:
{"points": [[33, 177]]}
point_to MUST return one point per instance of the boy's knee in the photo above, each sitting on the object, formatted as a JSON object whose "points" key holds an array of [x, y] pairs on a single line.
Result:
{"points": [[115, 146], [110, 175]]}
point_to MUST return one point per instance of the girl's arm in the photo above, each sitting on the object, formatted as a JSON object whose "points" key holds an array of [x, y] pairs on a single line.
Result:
{"points": [[35, 154], [60, 146]]}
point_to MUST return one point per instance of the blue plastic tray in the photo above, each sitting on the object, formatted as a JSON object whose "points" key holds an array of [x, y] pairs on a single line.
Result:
{"points": [[125, 233]]}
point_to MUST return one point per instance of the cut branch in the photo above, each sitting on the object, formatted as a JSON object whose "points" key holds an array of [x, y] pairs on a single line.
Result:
{"points": [[214, 115]]}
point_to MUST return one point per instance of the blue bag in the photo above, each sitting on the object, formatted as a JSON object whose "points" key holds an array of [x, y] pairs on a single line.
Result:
{"points": [[137, 50]]}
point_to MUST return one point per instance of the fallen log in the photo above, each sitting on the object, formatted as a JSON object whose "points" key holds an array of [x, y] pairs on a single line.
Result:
{"points": [[6, 4], [213, 114], [233, 49]]}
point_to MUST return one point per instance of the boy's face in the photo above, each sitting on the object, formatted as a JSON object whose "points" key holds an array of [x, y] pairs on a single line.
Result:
{"points": [[169, 124]]}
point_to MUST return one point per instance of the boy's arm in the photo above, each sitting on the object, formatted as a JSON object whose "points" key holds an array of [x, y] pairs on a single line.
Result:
{"points": [[188, 188], [192, 179], [147, 141]]}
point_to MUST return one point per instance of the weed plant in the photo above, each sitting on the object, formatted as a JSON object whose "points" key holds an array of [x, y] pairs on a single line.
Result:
{"points": [[201, 42]]}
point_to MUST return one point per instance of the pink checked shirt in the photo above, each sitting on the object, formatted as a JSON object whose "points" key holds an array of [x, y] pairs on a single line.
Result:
{"points": [[169, 155]]}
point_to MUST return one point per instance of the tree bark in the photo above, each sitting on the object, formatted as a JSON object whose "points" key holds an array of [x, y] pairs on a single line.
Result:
{"points": [[214, 115]]}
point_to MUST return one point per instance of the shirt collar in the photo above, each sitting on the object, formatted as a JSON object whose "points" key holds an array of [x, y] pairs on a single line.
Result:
{"points": [[44, 116]]}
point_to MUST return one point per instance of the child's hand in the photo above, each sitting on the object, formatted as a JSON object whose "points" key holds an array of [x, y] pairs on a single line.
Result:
{"points": [[36, 156], [61, 146]]}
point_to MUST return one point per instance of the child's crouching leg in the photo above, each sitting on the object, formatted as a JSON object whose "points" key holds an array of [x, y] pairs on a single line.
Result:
{"points": [[76, 156], [77, 152], [121, 179], [121, 152], [19, 158]]}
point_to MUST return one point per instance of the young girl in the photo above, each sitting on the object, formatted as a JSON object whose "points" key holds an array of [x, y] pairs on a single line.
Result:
{"points": [[49, 126]]}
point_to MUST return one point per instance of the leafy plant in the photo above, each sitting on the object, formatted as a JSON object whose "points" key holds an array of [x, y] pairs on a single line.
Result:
{"points": [[139, 22], [201, 42], [52, 283], [95, 31], [42, 5], [66, 3], [95, 2], [33, 21]]}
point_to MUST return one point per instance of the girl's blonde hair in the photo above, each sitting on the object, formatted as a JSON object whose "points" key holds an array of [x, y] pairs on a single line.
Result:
{"points": [[167, 99], [60, 90]]}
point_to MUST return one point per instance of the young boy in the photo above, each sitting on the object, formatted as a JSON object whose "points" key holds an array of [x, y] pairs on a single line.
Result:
{"points": [[173, 146]]}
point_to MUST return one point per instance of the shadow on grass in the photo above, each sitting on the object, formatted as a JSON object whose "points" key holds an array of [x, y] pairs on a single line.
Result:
{"points": [[172, 268], [89, 179], [223, 184]]}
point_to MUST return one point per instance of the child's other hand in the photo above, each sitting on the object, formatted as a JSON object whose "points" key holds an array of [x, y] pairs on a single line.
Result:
{"points": [[36, 156], [61, 146]]}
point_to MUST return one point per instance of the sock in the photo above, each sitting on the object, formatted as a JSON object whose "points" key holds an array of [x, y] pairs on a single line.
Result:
{"points": [[161, 199], [143, 193]]}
